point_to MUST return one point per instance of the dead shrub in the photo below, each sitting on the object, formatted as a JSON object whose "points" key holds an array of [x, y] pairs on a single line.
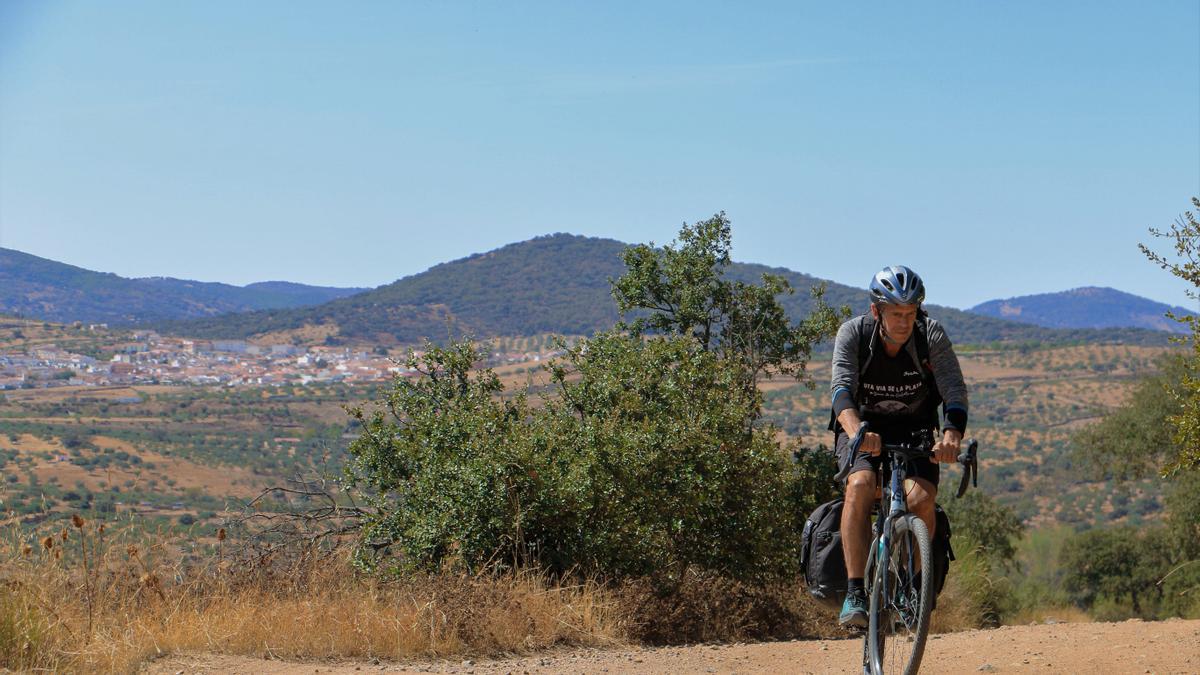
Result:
{"points": [[708, 607]]}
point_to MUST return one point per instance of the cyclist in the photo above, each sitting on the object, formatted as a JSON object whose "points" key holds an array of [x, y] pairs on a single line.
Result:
{"points": [[895, 365]]}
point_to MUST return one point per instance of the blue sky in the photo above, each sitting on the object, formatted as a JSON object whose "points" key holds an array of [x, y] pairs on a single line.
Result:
{"points": [[999, 149]]}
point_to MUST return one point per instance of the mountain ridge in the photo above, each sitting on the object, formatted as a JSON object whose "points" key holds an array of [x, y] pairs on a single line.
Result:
{"points": [[1085, 307], [49, 290], [559, 283]]}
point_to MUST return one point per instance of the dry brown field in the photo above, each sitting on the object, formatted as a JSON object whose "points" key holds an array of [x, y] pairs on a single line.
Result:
{"points": [[1025, 406], [185, 474]]}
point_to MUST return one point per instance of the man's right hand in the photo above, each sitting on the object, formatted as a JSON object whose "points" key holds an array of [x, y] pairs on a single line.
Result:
{"points": [[871, 444]]}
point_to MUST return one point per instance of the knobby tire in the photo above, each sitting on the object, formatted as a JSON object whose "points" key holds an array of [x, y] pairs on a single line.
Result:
{"points": [[904, 614]]}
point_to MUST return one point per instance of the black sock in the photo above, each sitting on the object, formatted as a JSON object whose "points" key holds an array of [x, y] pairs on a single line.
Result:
{"points": [[854, 585]]}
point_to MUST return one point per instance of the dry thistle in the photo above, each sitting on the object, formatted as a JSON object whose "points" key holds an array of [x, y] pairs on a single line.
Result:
{"points": [[26, 550], [64, 534], [101, 529], [220, 534], [48, 543], [77, 521], [151, 581], [58, 554]]}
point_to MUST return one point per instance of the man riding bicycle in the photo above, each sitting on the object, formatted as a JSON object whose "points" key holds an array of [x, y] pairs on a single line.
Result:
{"points": [[891, 368]]}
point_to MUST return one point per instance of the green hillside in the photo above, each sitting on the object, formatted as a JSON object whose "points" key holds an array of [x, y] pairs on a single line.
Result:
{"points": [[37, 288], [560, 284]]}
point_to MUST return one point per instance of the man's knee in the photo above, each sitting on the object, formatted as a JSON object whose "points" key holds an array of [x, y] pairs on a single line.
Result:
{"points": [[920, 495], [860, 487]]}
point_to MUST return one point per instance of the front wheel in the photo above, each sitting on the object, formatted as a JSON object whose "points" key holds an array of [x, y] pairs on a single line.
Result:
{"points": [[901, 599]]}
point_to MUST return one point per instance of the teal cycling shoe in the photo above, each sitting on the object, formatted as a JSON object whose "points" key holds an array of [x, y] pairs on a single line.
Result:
{"points": [[854, 610]]}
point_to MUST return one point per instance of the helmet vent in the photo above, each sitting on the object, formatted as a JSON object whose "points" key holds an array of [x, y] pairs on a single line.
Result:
{"points": [[898, 285]]}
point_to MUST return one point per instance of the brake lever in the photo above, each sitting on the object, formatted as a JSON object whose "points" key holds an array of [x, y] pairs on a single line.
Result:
{"points": [[856, 442], [844, 468], [970, 462]]}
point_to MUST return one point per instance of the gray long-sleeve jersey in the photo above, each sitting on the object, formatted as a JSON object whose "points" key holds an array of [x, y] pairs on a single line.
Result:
{"points": [[947, 374]]}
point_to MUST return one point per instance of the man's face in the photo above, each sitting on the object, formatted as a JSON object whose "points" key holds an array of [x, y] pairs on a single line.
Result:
{"points": [[897, 320]]}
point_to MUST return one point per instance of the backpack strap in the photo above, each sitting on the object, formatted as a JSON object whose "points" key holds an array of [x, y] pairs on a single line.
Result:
{"points": [[867, 334], [921, 328], [922, 344], [864, 343]]}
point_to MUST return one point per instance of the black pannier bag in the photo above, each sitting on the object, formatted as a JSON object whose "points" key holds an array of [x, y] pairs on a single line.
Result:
{"points": [[824, 564], [943, 552], [821, 559]]}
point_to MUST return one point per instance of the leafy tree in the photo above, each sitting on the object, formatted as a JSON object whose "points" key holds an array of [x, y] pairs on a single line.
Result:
{"points": [[1158, 431], [1117, 564], [1184, 234], [1136, 440], [681, 289], [1183, 519]]}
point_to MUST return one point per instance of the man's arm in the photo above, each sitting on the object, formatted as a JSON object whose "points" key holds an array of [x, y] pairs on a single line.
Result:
{"points": [[844, 373], [845, 382], [948, 375]]}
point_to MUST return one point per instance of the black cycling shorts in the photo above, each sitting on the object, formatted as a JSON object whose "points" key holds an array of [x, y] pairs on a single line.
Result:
{"points": [[922, 468]]}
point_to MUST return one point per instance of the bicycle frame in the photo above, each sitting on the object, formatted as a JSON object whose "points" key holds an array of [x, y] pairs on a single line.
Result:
{"points": [[892, 508], [893, 505]]}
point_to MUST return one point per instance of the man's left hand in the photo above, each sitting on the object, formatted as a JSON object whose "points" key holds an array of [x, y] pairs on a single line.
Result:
{"points": [[947, 449]]}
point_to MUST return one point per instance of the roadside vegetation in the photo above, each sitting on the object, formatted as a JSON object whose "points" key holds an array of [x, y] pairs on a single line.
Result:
{"points": [[642, 498], [88, 599], [1150, 569], [651, 487]]}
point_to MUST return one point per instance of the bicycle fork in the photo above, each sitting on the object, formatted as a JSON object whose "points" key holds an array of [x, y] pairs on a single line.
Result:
{"points": [[878, 554]]}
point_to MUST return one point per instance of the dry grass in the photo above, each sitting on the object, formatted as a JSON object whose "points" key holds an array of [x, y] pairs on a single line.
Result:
{"points": [[127, 604], [85, 600], [1049, 615], [972, 596]]}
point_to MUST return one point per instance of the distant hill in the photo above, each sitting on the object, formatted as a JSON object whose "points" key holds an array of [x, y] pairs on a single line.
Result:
{"points": [[557, 284], [1087, 307], [43, 289]]}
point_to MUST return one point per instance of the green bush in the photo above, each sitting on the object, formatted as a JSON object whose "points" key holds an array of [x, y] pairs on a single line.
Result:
{"points": [[647, 458], [645, 464], [1118, 567], [987, 524], [1181, 590], [447, 468], [665, 469]]}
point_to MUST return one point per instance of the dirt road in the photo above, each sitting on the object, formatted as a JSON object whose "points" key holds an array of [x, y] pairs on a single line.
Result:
{"points": [[1128, 647]]}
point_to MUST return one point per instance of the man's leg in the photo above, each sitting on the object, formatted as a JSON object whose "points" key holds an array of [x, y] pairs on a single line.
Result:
{"points": [[856, 538], [921, 496], [856, 526]]}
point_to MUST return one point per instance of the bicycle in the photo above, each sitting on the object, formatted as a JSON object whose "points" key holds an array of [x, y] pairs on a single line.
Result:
{"points": [[900, 601]]}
